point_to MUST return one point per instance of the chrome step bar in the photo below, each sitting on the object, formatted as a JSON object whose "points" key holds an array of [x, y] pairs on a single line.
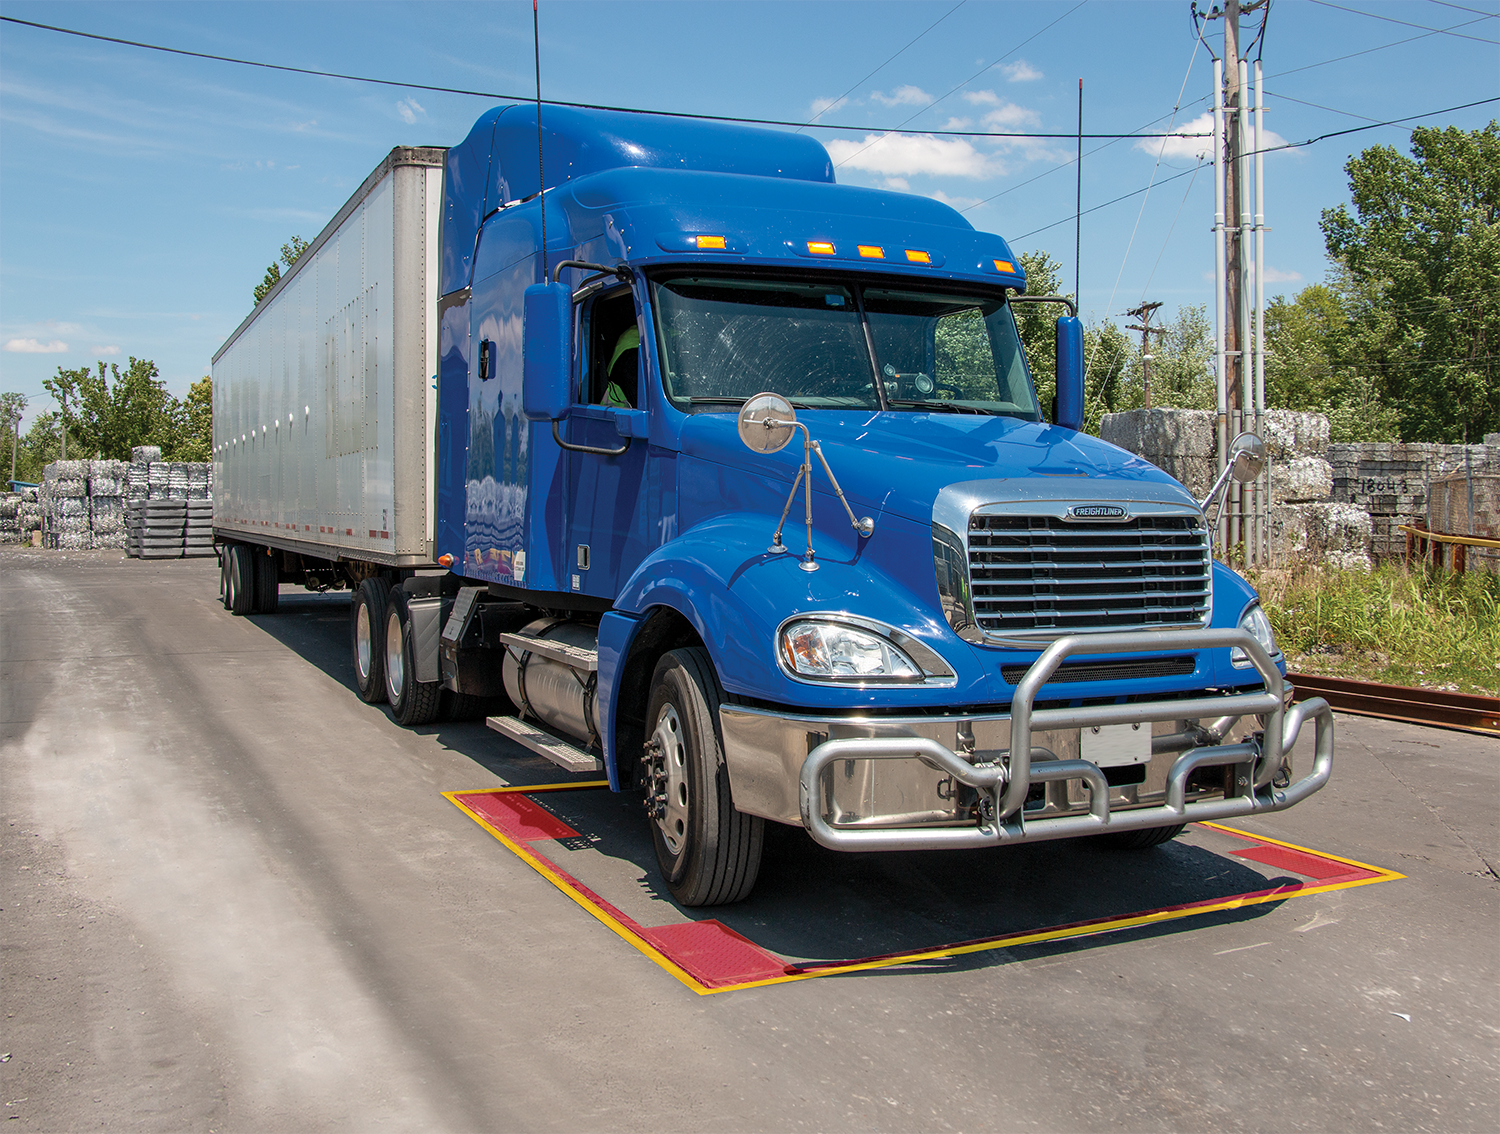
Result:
{"points": [[1005, 782], [566, 755]]}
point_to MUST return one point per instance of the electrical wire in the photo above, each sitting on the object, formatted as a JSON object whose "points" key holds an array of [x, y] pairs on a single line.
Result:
{"points": [[1369, 50], [1404, 23], [560, 102], [883, 66], [1171, 229], [1320, 106], [1106, 204], [1461, 8]]}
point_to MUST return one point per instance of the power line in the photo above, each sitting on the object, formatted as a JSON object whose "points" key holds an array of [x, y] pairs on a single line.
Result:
{"points": [[1461, 8], [1404, 23], [1371, 50], [560, 102], [1115, 201], [1320, 106], [882, 67]]}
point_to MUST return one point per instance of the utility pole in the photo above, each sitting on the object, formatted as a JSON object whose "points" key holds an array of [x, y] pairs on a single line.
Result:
{"points": [[1144, 313], [1239, 242]]}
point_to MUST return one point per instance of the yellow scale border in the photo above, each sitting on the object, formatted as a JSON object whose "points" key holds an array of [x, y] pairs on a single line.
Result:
{"points": [[550, 872]]}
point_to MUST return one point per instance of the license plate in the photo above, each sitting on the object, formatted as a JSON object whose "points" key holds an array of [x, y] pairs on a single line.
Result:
{"points": [[1111, 746]]}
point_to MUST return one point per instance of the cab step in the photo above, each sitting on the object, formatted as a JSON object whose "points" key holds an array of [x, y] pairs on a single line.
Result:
{"points": [[563, 753], [575, 657]]}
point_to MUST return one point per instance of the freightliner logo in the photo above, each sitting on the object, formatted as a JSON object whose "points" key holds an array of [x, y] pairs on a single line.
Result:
{"points": [[1096, 512]]}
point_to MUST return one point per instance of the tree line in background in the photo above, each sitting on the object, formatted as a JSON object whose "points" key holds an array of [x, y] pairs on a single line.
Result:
{"points": [[107, 412], [1398, 343]]}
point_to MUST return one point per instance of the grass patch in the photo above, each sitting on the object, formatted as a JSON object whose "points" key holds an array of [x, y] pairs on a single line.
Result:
{"points": [[1404, 627]]}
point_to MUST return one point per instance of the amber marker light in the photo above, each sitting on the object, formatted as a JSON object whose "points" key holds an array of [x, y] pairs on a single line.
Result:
{"points": [[820, 248], [1005, 266], [872, 251], [711, 242], [445, 561], [917, 257]]}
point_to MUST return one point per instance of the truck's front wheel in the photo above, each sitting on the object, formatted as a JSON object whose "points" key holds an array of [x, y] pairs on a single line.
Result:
{"points": [[708, 852]]}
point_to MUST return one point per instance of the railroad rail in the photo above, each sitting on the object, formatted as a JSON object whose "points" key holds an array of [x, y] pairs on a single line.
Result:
{"points": [[1466, 712]]}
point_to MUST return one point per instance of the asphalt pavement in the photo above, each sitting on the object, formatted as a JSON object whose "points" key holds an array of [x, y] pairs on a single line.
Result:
{"points": [[234, 898]]}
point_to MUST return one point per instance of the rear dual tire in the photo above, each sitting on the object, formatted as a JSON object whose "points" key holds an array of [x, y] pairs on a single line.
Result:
{"points": [[249, 579], [367, 611], [412, 702]]}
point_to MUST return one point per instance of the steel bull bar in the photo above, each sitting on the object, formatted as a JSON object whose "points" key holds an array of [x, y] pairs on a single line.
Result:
{"points": [[1005, 780]]}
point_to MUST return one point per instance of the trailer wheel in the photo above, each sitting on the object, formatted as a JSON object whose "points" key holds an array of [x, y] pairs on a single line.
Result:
{"points": [[1142, 839], [239, 585], [708, 852], [366, 633], [224, 575], [267, 581], [413, 702]]}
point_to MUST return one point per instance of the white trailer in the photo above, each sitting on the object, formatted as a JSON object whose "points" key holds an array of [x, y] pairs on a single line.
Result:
{"points": [[324, 397]]}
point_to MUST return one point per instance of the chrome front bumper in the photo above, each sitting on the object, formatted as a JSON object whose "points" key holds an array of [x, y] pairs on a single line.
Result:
{"points": [[929, 782]]}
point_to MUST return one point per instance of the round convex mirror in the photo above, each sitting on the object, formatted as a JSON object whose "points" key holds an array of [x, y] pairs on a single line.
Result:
{"points": [[1247, 452], [766, 423]]}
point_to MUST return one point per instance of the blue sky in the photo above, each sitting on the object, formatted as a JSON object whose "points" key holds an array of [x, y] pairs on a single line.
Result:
{"points": [[142, 195]]}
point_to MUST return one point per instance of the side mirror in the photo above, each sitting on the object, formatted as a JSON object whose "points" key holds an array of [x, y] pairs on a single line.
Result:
{"points": [[1247, 457], [1070, 372], [547, 352]]}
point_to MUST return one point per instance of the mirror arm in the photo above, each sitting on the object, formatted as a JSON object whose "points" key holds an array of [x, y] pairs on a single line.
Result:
{"points": [[1063, 299], [1217, 490], [572, 448], [619, 272]]}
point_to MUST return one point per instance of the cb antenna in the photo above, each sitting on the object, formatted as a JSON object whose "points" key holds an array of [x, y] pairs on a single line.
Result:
{"points": [[541, 180]]}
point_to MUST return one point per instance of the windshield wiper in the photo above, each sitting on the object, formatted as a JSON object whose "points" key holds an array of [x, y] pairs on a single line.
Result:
{"points": [[719, 400], [949, 407]]}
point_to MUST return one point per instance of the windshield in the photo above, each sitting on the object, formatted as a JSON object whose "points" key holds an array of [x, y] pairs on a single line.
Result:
{"points": [[838, 344]]}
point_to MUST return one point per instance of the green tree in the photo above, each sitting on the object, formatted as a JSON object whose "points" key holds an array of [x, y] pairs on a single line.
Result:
{"points": [[290, 252], [1037, 324], [195, 437], [107, 412], [12, 406], [40, 446], [1422, 254]]}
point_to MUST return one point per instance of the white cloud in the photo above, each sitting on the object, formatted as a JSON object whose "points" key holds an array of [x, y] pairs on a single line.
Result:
{"points": [[959, 203], [1276, 275], [35, 346], [1002, 114], [957, 124], [821, 106], [899, 184], [408, 109], [907, 155], [907, 95], [1021, 72], [105, 350], [1190, 148]]}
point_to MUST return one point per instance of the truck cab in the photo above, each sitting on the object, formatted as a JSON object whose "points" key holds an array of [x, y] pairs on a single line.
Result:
{"points": [[749, 502]]}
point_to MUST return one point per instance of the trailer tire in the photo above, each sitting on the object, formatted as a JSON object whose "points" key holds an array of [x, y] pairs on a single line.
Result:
{"points": [[239, 584], [709, 853], [413, 702], [367, 612], [1142, 839], [267, 581]]}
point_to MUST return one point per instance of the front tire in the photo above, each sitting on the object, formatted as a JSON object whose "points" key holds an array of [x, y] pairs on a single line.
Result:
{"points": [[1143, 839], [367, 612], [709, 853], [413, 702]]}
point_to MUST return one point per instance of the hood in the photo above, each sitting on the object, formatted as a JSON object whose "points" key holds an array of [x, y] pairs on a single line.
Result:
{"points": [[898, 461]]}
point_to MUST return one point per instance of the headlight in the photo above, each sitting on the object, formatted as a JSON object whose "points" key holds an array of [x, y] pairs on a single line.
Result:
{"points": [[1255, 621], [834, 651]]}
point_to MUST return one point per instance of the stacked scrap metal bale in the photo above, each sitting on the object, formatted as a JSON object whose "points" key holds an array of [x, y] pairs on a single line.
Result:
{"points": [[65, 505], [111, 504], [170, 512], [10, 517], [107, 503]]}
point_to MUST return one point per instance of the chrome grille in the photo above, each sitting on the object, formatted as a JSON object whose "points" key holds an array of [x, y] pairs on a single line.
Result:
{"points": [[1041, 575]]}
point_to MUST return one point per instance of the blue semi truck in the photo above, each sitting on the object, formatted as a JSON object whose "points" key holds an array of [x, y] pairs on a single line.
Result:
{"points": [[705, 472]]}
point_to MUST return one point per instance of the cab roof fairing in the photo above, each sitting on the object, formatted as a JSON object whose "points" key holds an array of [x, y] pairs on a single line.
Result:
{"points": [[655, 215], [497, 163]]}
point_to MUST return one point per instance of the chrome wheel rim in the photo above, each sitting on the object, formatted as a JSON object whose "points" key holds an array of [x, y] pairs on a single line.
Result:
{"points": [[364, 648], [395, 663], [673, 820]]}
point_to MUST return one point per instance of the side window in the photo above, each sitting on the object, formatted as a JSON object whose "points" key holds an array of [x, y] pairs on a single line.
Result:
{"points": [[613, 352]]}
